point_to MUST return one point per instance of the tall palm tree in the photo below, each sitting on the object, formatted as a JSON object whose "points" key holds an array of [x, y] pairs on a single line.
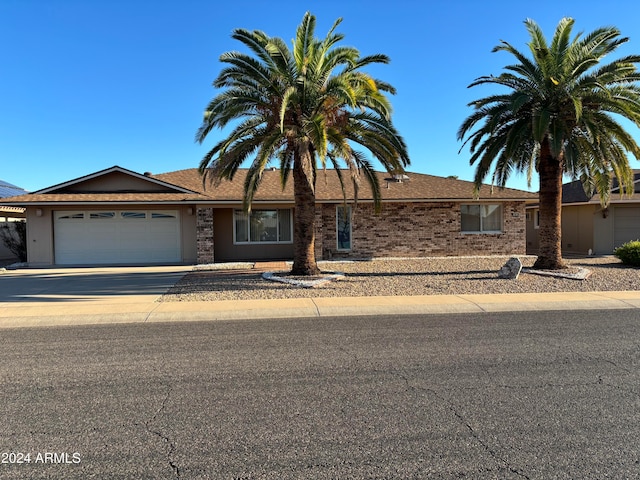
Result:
{"points": [[304, 108], [561, 116]]}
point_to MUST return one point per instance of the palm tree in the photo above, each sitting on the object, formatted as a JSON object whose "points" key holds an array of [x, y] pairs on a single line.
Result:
{"points": [[561, 116], [303, 108]]}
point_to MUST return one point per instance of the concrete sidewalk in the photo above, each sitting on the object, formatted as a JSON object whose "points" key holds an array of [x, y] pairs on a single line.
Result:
{"points": [[147, 308]]}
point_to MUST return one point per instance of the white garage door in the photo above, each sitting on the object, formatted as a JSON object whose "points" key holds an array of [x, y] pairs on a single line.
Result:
{"points": [[626, 225], [116, 236]]}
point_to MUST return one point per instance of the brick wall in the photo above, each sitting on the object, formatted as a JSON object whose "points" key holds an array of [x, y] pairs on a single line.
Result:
{"points": [[422, 229], [204, 235]]}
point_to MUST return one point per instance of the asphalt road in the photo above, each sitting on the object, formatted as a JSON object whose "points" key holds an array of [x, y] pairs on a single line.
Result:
{"points": [[505, 396]]}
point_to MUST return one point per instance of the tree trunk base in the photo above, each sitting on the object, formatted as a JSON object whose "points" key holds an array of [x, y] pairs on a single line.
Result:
{"points": [[543, 263], [305, 270]]}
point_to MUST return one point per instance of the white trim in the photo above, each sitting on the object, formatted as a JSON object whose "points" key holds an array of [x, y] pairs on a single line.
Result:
{"points": [[276, 242], [481, 231]]}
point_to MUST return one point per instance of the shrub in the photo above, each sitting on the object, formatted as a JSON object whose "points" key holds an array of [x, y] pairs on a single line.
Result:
{"points": [[14, 236], [629, 253]]}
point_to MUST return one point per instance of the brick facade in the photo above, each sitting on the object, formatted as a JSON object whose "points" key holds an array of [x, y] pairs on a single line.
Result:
{"points": [[420, 230], [204, 235]]}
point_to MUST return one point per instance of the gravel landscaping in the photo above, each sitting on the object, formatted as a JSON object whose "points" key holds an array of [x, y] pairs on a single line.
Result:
{"points": [[424, 276]]}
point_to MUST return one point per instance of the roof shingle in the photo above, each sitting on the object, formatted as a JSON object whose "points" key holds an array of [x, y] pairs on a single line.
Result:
{"points": [[418, 187]]}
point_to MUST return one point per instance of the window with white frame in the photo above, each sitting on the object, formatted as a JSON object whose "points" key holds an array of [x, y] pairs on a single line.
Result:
{"points": [[481, 218], [343, 227], [262, 226]]}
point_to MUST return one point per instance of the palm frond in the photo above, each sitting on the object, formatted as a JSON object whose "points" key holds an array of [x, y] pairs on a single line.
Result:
{"points": [[563, 95], [314, 97]]}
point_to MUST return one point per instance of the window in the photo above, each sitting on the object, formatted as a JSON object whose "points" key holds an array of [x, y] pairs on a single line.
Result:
{"points": [[101, 215], [481, 218], [133, 215], [70, 216], [263, 226], [162, 215], [343, 227]]}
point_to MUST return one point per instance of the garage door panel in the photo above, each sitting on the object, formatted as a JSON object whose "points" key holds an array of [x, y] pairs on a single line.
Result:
{"points": [[626, 225], [133, 234], [116, 237], [134, 255], [101, 236]]}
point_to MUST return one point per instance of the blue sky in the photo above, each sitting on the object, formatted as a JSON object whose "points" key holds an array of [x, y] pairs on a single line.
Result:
{"points": [[88, 84]]}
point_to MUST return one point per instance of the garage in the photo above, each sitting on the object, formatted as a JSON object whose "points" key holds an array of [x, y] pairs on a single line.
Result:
{"points": [[116, 237], [626, 225]]}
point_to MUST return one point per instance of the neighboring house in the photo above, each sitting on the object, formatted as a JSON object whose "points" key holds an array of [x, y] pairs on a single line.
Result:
{"points": [[118, 216], [8, 215], [587, 228]]}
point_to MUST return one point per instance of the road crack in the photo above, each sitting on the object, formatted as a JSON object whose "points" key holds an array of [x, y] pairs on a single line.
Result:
{"points": [[164, 438], [460, 418]]}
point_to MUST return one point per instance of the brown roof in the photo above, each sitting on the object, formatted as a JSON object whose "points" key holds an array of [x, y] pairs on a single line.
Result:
{"points": [[573, 192], [417, 187]]}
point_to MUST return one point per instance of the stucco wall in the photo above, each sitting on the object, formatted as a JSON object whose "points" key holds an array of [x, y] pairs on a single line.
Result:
{"points": [[422, 229], [188, 232], [577, 229], [603, 232], [116, 182], [39, 236], [584, 228]]}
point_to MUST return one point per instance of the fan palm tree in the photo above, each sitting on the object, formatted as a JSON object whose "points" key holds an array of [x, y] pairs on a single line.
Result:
{"points": [[561, 116], [303, 108]]}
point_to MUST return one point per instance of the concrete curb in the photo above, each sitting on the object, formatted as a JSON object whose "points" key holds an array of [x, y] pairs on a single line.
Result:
{"points": [[147, 310]]}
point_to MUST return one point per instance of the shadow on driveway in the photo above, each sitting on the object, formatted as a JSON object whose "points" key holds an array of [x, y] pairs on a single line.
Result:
{"points": [[83, 284]]}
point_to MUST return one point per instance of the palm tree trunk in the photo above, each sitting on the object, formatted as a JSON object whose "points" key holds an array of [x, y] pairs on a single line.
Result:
{"points": [[550, 231], [304, 228]]}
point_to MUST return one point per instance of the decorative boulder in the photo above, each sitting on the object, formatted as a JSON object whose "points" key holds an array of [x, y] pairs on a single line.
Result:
{"points": [[511, 269]]}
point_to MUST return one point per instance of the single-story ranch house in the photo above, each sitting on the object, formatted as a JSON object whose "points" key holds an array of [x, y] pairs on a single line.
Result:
{"points": [[586, 226], [117, 216]]}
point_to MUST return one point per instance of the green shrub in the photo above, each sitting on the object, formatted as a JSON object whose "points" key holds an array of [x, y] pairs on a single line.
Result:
{"points": [[629, 253]]}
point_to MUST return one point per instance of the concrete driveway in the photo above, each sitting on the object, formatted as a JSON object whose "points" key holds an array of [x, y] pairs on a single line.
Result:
{"points": [[88, 284]]}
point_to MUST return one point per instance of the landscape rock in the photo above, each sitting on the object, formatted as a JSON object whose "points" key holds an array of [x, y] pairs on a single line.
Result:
{"points": [[410, 277], [312, 282], [511, 270]]}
